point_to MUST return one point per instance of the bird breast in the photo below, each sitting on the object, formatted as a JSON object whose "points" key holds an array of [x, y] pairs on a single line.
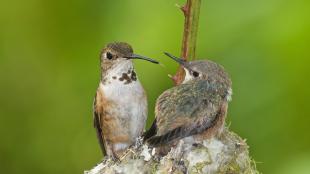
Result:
{"points": [[131, 105]]}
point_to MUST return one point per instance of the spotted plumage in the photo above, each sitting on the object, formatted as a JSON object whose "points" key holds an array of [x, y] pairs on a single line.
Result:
{"points": [[120, 104]]}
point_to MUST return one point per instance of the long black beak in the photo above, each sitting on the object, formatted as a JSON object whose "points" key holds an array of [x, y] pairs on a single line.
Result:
{"points": [[178, 60], [136, 56]]}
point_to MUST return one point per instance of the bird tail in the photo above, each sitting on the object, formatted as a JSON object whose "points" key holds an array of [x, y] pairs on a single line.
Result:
{"points": [[151, 132], [182, 131]]}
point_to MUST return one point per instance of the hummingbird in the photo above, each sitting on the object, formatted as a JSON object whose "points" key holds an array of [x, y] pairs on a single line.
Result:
{"points": [[120, 103], [196, 108]]}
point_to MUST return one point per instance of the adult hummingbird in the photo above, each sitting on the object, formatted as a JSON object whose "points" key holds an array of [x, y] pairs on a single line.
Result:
{"points": [[197, 107], [120, 104]]}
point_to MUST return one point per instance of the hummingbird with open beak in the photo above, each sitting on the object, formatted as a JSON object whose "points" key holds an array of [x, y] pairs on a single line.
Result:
{"points": [[197, 107], [120, 104]]}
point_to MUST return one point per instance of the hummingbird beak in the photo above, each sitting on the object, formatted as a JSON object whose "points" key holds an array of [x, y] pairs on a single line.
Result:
{"points": [[180, 61], [136, 56]]}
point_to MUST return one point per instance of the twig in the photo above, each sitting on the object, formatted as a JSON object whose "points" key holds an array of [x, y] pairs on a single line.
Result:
{"points": [[191, 13]]}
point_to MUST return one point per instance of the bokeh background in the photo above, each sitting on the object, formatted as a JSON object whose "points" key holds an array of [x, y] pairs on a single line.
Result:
{"points": [[49, 71]]}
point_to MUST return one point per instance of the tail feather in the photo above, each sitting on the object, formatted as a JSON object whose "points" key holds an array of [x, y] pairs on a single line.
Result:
{"points": [[166, 138], [151, 132], [182, 132]]}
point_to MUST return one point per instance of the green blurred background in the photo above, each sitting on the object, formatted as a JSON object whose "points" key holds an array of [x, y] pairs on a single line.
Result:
{"points": [[49, 71]]}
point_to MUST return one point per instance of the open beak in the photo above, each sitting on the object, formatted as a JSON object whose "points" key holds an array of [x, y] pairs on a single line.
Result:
{"points": [[180, 61], [136, 56]]}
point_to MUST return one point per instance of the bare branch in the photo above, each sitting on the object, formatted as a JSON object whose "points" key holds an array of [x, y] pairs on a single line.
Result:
{"points": [[191, 12]]}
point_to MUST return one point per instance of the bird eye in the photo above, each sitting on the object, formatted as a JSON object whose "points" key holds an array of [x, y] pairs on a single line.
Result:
{"points": [[109, 55], [195, 74]]}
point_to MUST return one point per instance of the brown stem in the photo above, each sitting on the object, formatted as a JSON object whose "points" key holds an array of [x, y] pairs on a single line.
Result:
{"points": [[191, 13]]}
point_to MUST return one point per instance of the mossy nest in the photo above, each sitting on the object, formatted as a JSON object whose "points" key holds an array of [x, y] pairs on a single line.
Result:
{"points": [[227, 154]]}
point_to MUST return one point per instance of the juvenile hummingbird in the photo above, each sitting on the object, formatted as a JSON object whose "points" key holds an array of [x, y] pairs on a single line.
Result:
{"points": [[195, 108], [120, 104]]}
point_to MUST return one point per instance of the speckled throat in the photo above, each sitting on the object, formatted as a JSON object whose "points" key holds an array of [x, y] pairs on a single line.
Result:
{"points": [[123, 73]]}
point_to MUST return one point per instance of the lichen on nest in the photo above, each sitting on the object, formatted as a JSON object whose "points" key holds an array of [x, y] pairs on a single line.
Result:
{"points": [[225, 154]]}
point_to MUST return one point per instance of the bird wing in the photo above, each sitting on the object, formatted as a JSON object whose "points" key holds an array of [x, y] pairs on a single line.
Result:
{"points": [[187, 109], [97, 124]]}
